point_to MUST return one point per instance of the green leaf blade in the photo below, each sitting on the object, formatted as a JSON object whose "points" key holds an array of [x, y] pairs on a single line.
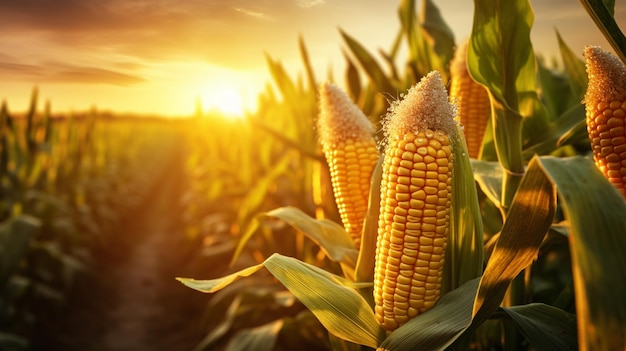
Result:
{"points": [[331, 298], [440, 326], [547, 328], [213, 285], [330, 236], [528, 220], [596, 213], [341, 309], [369, 64]]}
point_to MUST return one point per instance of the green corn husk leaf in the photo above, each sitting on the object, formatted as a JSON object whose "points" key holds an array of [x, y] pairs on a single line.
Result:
{"points": [[366, 261], [528, 220], [331, 298], [330, 236], [369, 65], [440, 326], [261, 338], [602, 13], [547, 328], [464, 253], [596, 214]]}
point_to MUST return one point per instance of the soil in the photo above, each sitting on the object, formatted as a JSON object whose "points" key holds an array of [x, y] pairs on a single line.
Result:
{"points": [[132, 301]]}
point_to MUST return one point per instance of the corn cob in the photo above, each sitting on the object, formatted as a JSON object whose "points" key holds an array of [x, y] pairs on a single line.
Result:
{"points": [[416, 193], [605, 104], [347, 139], [472, 100]]}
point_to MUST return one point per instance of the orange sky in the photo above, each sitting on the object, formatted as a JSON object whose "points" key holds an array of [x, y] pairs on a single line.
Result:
{"points": [[160, 56]]}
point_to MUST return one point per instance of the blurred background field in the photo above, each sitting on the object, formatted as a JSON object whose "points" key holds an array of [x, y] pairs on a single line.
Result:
{"points": [[101, 211]]}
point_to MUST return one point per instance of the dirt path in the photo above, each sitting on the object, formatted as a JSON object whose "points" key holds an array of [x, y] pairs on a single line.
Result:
{"points": [[133, 302]]}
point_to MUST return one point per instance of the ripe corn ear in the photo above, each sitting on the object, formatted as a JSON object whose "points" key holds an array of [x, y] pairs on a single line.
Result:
{"points": [[416, 194], [605, 104], [348, 142], [471, 99]]}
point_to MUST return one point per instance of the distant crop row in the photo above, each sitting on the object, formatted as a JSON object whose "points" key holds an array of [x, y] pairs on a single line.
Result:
{"points": [[65, 185]]}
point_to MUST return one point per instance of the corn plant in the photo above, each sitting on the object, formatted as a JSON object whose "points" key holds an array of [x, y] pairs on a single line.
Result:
{"points": [[65, 183], [545, 277]]}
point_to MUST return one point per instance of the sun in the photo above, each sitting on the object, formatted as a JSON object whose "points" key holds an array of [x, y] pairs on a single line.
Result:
{"points": [[227, 102], [218, 90]]}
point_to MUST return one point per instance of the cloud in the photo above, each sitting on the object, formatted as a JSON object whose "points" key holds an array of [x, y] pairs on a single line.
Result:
{"points": [[310, 3], [255, 14], [66, 73], [157, 30], [233, 34], [93, 75]]}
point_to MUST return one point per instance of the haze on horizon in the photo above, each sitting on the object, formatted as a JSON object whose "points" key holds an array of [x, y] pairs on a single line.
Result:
{"points": [[145, 56]]}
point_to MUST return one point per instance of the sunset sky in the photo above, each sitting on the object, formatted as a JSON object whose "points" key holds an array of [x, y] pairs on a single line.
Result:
{"points": [[160, 56]]}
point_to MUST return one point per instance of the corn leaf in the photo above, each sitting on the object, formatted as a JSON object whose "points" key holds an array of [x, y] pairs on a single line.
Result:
{"points": [[369, 65], [421, 56], [596, 214], [12, 342], [440, 326], [556, 93], [574, 67], [577, 133], [501, 32], [353, 80], [15, 235], [261, 338], [528, 220], [563, 130], [307, 64], [331, 298], [257, 195], [213, 285], [222, 328], [438, 34], [330, 236], [547, 328], [602, 13], [341, 309], [285, 84], [488, 175], [338, 344]]}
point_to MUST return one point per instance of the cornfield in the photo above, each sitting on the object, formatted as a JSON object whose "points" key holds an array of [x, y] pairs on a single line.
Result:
{"points": [[481, 209]]}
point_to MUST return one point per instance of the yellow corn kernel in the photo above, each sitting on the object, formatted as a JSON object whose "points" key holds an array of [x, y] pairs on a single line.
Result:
{"points": [[472, 101], [605, 104], [419, 124], [347, 139]]}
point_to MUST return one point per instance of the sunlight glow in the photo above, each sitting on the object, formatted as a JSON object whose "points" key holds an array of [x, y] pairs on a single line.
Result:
{"points": [[210, 89], [227, 102]]}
